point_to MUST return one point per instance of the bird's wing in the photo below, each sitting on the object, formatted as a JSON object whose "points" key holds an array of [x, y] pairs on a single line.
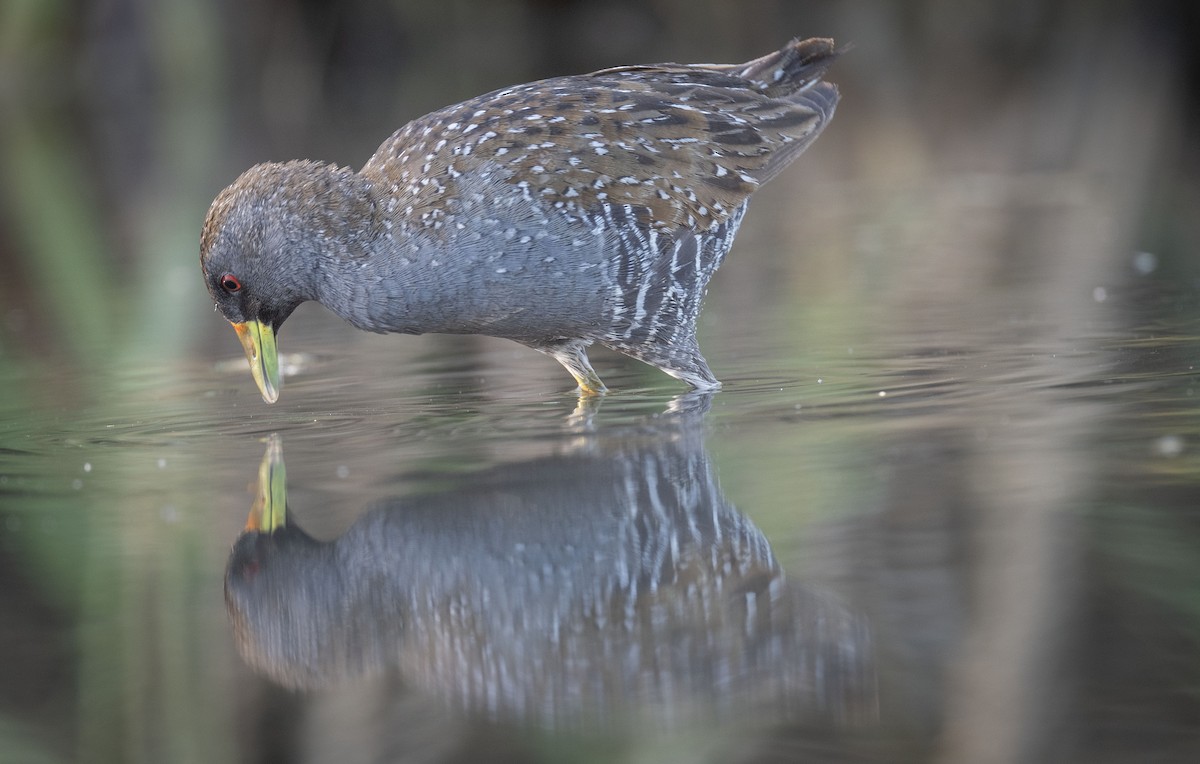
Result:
{"points": [[685, 144]]}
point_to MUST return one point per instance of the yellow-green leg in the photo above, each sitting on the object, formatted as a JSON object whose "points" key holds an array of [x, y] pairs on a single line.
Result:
{"points": [[573, 356]]}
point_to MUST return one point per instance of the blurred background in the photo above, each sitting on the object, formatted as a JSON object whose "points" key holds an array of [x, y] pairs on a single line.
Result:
{"points": [[999, 230], [122, 120]]}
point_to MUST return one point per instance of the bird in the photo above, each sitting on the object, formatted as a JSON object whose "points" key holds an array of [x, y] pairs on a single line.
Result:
{"points": [[560, 213]]}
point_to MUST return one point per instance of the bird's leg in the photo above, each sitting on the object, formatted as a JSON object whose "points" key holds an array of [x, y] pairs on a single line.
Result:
{"points": [[572, 354]]}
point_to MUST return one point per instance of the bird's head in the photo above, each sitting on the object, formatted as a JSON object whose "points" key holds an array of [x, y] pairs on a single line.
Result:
{"points": [[266, 240]]}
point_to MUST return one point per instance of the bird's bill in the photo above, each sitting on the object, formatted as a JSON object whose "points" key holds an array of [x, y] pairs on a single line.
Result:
{"points": [[259, 341], [269, 512]]}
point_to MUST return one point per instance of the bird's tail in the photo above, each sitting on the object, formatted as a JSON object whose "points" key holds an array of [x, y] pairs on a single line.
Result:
{"points": [[792, 69]]}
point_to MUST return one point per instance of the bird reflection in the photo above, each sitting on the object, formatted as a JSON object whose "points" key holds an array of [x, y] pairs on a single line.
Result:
{"points": [[608, 584]]}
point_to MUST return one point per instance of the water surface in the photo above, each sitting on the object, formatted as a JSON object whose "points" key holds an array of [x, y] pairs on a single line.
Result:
{"points": [[890, 547]]}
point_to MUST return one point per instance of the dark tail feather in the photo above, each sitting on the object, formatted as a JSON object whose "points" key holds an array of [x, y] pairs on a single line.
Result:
{"points": [[795, 67]]}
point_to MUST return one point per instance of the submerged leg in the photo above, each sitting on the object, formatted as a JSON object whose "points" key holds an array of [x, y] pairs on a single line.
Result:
{"points": [[572, 354], [695, 372], [681, 360]]}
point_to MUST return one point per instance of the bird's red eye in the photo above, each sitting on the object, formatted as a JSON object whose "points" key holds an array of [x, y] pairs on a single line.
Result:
{"points": [[230, 283]]}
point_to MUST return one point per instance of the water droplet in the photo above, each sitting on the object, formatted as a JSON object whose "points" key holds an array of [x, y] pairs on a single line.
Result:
{"points": [[1169, 445], [1099, 294], [1145, 262]]}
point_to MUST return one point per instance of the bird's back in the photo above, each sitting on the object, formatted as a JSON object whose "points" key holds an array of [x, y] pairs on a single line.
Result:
{"points": [[687, 144]]}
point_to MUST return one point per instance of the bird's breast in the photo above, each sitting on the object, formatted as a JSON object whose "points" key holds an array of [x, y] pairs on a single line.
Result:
{"points": [[526, 277]]}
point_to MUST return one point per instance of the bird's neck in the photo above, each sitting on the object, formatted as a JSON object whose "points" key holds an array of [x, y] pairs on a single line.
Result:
{"points": [[340, 225], [369, 282], [388, 277], [323, 222]]}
